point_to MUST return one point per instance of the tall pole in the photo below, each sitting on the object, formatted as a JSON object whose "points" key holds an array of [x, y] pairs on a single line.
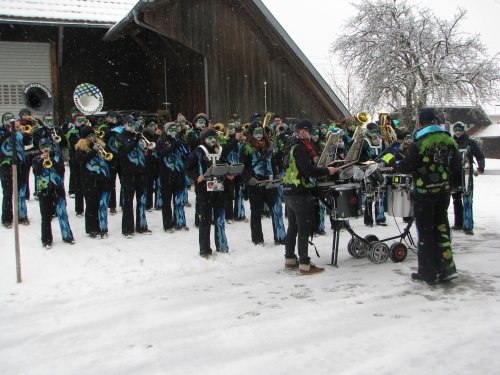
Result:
{"points": [[265, 96], [15, 204]]}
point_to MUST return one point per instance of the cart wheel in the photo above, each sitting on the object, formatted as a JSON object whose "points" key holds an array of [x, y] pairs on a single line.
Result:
{"points": [[371, 238], [358, 248], [398, 252], [349, 247], [378, 252]]}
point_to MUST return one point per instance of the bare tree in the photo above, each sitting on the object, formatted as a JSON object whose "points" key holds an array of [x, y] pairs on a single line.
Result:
{"points": [[407, 57]]}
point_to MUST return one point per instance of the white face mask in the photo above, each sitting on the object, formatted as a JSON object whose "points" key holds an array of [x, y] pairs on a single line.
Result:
{"points": [[200, 126], [315, 138], [210, 142], [172, 132], [129, 128], [45, 150], [258, 136], [324, 131]]}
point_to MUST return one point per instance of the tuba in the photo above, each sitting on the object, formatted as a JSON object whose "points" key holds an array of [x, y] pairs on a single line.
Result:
{"points": [[221, 130], [38, 98], [354, 153], [386, 131], [88, 98]]}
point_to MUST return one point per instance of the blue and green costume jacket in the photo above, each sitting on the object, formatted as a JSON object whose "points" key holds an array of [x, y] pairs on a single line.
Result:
{"points": [[130, 153], [22, 140], [49, 178], [432, 159], [258, 163], [300, 169], [94, 170]]}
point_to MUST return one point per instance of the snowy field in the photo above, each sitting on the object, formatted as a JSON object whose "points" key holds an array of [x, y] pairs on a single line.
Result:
{"points": [[151, 305]]}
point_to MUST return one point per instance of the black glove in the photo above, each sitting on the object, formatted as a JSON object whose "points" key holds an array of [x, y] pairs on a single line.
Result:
{"points": [[252, 181]]}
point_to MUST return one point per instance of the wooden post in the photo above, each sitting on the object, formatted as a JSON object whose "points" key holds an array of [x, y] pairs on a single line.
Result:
{"points": [[15, 203]]}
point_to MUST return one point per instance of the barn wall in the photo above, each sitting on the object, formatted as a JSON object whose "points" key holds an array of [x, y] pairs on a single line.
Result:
{"points": [[239, 60]]}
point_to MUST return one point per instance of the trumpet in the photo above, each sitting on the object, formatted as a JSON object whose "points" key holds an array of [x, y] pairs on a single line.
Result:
{"points": [[27, 128], [53, 135], [221, 130], [147, 144], [103, 153], [47, 163], [281, 128]]}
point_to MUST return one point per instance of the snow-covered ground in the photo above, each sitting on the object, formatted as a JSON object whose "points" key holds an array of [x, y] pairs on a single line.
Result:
{"points": [[151, 305]]}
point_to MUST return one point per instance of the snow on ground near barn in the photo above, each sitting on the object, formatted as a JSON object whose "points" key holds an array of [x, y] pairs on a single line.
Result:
{"points": [[151, 305]]}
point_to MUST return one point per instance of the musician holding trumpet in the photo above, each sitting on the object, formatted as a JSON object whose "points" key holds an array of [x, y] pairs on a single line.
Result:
{"points": [[48, 168], [95, 175], [22, 139], [131, 145]]}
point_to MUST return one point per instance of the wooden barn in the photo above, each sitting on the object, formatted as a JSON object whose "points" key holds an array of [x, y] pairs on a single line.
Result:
{"points": [[214, 56]]}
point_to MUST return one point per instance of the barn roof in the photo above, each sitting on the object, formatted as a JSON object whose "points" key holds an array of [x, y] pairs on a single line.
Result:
{"points": [[65, 12], [489, 131], [468, 115]]}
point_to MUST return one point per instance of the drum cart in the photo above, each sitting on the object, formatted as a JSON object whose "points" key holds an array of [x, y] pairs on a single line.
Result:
{"points": [[343, 201]]}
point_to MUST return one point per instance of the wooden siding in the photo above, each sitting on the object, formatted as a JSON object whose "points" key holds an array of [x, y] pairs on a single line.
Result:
{"points": [[240, 59]]}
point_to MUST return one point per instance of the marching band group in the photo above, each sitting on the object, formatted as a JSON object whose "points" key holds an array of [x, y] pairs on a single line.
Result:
{"points": [[159, 163]]}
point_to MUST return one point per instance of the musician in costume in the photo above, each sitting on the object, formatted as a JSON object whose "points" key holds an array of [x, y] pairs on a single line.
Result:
{"points": [[300, 178], [432, 159], [210, 196], [462, 203], [260, 165], [6, 175], [193, 140], [231, 148], [31, 150], [372, 148], [349, 125], [171, 153], [94, 172], [75, 180], [111, 129], [48, 168], [133, 163], [151, 133]]}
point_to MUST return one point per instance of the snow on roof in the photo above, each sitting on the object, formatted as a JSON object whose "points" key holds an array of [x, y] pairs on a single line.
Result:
{"points": [[61, 11], [488, 131]]}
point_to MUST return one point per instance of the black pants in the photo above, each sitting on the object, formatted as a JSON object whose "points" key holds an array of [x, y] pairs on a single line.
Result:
{"points": [[48, 199], [151, 182], [300, 220], [257, 197], [79, 199], [211, 203], [113, 171], [8, 192], [167, 192], [92, 202], [134, 184], [27, 170], [434, 242], [230, 207]]}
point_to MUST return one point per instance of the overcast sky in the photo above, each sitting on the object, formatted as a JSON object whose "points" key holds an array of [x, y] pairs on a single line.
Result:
{"points": [[314, 24]]}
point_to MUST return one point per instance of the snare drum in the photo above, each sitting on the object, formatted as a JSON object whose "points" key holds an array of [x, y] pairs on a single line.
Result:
{"points": [[399, 202], [402, 181], [347, 202], [374, 176], [349, 173]]}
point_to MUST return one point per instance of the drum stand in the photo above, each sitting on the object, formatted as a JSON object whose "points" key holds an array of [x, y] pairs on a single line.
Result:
{"points": [[337, 226]]}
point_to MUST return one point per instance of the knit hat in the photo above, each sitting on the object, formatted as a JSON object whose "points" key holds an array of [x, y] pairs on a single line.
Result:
{"points": [[427, 116], [304, 124], [127, 119], [44, 141], [458, 126], [254, 116], [86, 130], [180, 117], [23, 111], [207, 132], [168, 125], [371, 126]]}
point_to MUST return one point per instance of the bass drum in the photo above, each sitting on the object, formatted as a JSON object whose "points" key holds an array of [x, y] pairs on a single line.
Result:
{"points": [[347, 202], [88, 98]]}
